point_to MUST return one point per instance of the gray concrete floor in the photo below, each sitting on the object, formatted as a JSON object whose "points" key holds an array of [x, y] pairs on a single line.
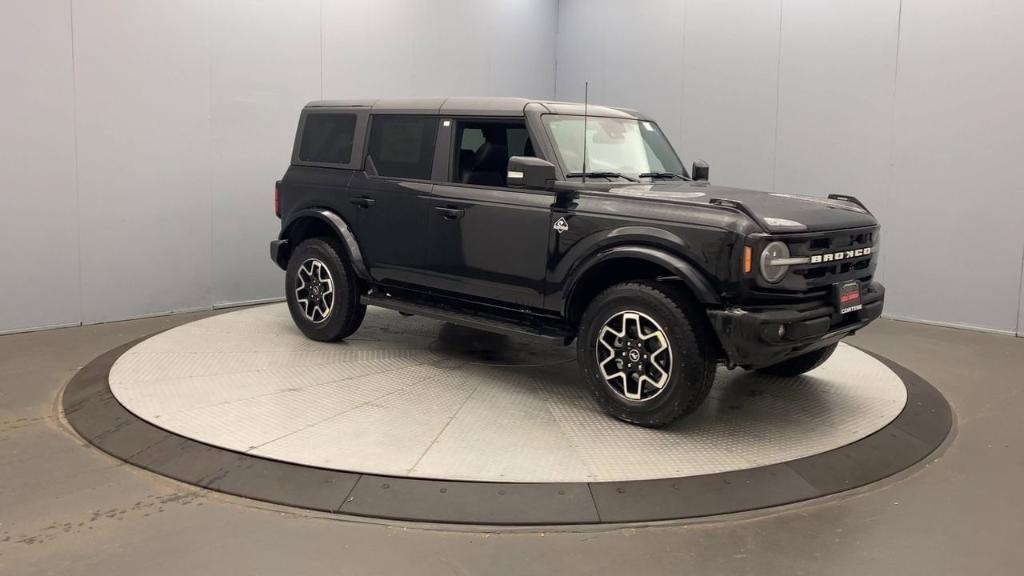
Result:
{"points": [[66, 508]]}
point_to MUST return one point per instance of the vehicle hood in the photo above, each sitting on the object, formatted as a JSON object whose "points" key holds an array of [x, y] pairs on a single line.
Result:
{"points": [[776, 212]]}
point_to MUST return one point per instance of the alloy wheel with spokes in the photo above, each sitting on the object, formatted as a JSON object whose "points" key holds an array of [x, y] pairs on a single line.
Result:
{"points": [[634, 355], [314, 290], [322, 291], [645, 352]]}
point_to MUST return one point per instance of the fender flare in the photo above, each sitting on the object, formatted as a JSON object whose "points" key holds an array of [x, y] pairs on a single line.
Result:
{"points": [[677, 266], [341, 230]]}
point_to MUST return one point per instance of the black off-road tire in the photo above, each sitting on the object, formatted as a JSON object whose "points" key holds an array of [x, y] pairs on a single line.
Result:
{"points": [[801, 364], [693, 352], [346, 313]]}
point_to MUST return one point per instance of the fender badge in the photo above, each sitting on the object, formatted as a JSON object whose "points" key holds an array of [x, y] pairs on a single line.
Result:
{"points": [[561, 225]]}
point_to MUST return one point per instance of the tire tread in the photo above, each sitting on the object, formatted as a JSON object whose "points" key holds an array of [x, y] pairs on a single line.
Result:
{"points": [[354, 311], [696, 337]]}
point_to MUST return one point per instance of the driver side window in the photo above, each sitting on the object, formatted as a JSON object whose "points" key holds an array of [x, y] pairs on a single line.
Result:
{"points": [[483, 148]]}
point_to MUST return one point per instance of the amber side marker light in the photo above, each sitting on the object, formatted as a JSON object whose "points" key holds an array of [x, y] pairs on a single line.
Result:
{"points": [[747, 259]]}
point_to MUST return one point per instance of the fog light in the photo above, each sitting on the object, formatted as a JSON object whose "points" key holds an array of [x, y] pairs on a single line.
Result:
{"points": [[782, 330]]}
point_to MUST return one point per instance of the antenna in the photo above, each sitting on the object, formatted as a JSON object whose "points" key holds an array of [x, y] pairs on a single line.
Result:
{"points": [[586, 94]]}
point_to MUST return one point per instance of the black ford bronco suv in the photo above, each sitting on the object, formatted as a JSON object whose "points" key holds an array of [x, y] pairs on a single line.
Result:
{"points": [[567, 222]]}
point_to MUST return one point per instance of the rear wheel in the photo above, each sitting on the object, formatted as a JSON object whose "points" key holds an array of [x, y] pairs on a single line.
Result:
{"points": [[322, 292], [645, 353], [800, 364]]}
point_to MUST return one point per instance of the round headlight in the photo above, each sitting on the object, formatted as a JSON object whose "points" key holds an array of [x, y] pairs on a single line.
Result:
{"points": [[771, 252]]}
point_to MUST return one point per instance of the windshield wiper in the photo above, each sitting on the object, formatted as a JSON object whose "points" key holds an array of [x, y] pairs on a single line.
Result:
{"points": [[663, 175], [599, 175]]}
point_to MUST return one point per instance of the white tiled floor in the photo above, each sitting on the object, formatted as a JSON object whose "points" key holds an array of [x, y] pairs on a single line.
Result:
{"points": [[415, 397]]}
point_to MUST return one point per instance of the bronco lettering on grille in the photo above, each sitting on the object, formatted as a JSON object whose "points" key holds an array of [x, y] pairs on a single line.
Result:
{"points": [[844, 255]]}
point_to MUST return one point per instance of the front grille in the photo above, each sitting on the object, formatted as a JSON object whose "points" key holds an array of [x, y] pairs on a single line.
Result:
{"points": [[827, 245]]}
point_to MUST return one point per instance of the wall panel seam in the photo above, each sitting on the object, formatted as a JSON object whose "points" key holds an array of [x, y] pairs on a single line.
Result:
{"points": [[682, 82], [554, 46], [74, 140], [322, 69], [211, 279], [887, 196], [778, 96], [1020, 294]]}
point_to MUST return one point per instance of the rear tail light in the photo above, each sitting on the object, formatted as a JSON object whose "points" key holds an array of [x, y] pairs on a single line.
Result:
{"points": [[277, 199]]}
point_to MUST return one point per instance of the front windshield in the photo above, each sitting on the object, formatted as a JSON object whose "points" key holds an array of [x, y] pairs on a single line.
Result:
{"points": [[614, 145]]}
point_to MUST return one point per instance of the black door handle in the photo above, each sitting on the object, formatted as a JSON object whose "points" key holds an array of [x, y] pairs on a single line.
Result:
{"points": [[450, 213], [363, 202]]}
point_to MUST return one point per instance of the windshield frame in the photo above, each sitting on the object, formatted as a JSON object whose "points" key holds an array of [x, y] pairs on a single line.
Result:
{"points": [[565, 168]]}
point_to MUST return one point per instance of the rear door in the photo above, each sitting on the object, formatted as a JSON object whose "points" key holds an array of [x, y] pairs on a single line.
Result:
{"points": [[487, 240], [391, 197]]}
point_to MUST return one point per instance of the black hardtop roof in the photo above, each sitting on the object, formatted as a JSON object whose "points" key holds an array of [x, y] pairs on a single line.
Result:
{"points": [[472, 106]]}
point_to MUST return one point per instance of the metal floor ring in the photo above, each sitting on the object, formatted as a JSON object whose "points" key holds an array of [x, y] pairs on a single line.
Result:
{"points": [[412, 397], [419, 397]]}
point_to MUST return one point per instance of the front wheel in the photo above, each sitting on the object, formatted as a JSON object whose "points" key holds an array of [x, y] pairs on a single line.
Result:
{"points": [[801, 364], [645, 353], [322, 292]]}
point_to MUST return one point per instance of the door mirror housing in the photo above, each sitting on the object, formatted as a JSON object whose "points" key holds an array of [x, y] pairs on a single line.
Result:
{"points": [[530, 172], [700, 170]]}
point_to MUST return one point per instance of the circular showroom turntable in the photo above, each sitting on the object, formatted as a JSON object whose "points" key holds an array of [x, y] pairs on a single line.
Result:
{"points": [[419, 420]]}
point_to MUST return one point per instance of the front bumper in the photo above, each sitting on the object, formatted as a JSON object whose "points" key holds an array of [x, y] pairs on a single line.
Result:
{"points": [[751, 338]]}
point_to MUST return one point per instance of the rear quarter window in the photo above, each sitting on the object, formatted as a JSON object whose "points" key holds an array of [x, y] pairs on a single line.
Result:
{"points": [[327, 138], [403, 146]]}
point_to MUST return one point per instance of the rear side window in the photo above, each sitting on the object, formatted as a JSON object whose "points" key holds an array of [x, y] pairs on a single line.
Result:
{"points": [[327, 138], [403, 146]]}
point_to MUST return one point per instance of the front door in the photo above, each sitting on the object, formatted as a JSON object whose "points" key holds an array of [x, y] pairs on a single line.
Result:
{"points": [[486, 239], [392, 198]]}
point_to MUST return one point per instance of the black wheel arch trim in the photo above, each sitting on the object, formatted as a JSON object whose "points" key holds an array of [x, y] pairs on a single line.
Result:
{"points": [[677, 266], [340, 228]]}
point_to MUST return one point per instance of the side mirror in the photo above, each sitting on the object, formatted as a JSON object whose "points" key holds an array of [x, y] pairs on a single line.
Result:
{"points": [[700, 170], [530, 172]]}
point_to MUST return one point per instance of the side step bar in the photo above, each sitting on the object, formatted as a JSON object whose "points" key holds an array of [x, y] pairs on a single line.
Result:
{"points": [[486, 323]]}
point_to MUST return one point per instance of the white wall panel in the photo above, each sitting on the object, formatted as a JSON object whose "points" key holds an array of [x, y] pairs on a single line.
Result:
{"points": [[265, 66], [707, 71], [608, 44], [38, 233], [143, 91], [956, 219], [183, 115], [837, 77], [836, 85], [730, 91], [659, 70], [917, 111], [186, 113], [581, 50], [521, 54], [442, 48], [1020, 299], [395, 48]]}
